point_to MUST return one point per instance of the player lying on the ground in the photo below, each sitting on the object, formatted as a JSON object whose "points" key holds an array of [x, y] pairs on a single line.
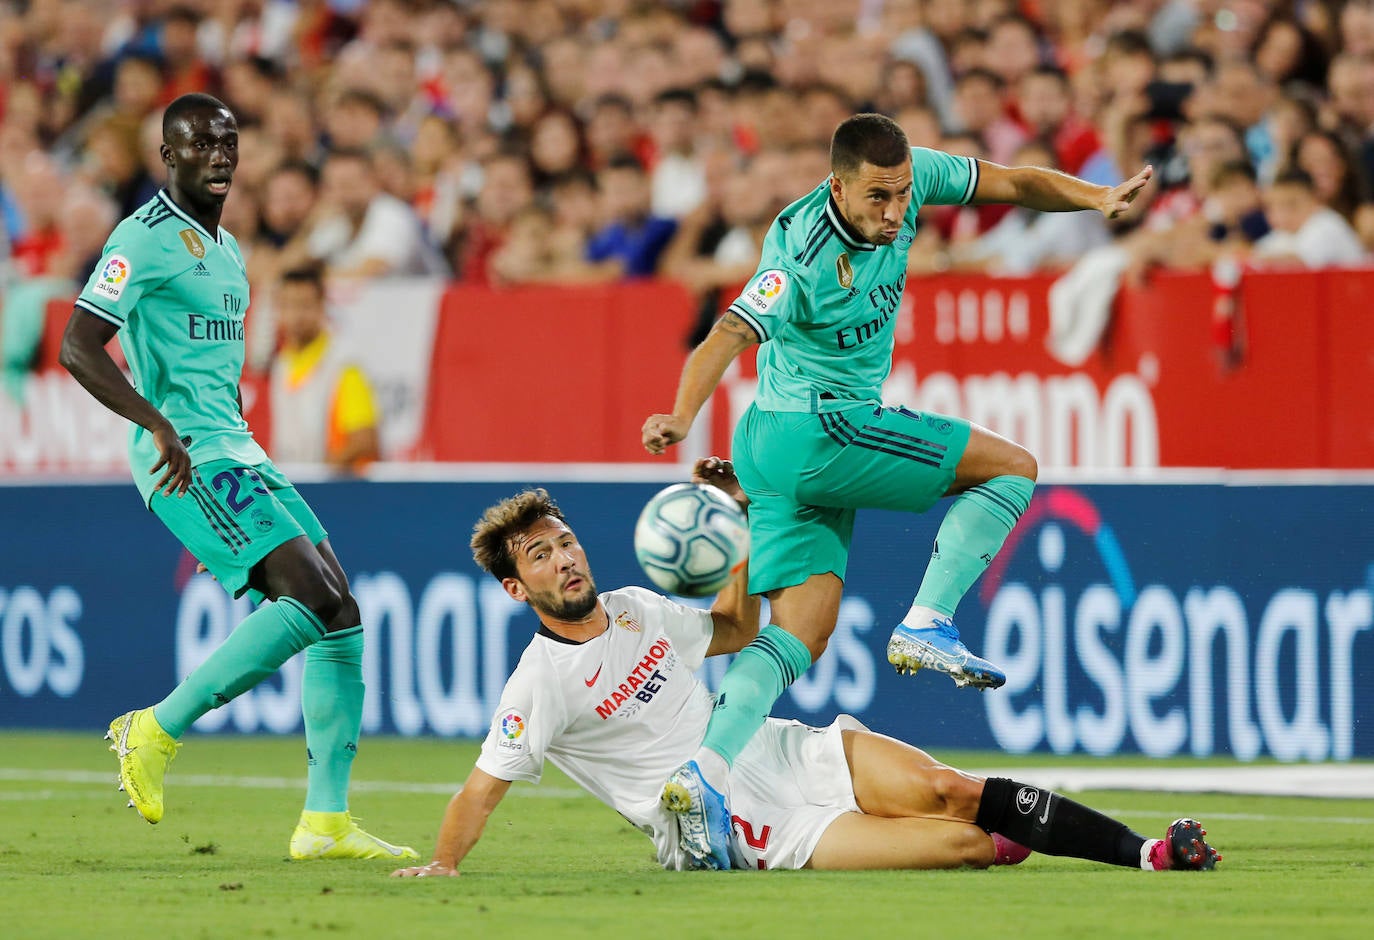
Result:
{"points": [[606, 692]]}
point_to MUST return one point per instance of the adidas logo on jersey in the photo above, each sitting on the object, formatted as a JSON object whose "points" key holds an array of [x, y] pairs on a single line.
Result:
{"points": [[201, 270]]}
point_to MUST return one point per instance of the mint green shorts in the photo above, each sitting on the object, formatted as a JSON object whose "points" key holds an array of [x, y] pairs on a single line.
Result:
{"points": [[807, 474], [233, 516]]}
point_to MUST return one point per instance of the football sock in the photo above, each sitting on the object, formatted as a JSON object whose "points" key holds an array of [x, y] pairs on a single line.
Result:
{"points": [[1046, 822], [266, 638], [750, 686], [969, 537], [332, 704]]}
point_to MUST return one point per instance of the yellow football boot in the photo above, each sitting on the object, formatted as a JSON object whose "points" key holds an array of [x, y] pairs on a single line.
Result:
{"points": [[144, 751], [336, 835]]}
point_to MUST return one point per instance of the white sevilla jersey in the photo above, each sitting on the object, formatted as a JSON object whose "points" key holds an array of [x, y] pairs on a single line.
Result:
{"points": [[617, 714]]}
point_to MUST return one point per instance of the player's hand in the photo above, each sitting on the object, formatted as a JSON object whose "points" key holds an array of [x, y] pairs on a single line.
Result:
{"points": [[432, 870], [176, 478], [662, 430], [721, 474], [1119, 199]]}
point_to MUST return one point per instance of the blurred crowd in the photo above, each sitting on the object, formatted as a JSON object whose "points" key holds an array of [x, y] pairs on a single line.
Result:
{"points": [[519, 141]]}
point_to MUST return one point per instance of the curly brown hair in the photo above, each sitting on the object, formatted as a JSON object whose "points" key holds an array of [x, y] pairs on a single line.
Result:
{"points": [[495, 534]]}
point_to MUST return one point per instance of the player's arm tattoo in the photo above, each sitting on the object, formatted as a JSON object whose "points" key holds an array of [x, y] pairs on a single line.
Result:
{"points": [[735, 325]]}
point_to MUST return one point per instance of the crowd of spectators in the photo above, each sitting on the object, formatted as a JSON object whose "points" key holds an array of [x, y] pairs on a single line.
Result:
{"points": [[516, 141]]}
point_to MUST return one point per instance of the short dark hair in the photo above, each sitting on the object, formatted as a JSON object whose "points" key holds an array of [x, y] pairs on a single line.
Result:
{"points": [[181, 13], [980, 74], [1295, 176], [301, 168], [308, 273], [360, 154], [683, 96], [1233, 170], [624, 161], [193, 103], [1190, 54], [494, 535], [1130, 42], [867, 138], [362, 98], [614, 101], [1050, 71]]}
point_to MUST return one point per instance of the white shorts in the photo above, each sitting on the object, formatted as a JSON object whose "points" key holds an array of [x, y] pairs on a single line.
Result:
{"points": [[786, 788]]}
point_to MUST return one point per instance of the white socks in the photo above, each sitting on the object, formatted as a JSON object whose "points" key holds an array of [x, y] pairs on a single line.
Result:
{"points": [[918, 617]]}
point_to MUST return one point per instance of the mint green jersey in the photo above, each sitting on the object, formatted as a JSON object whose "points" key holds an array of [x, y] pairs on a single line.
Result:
{"points": [[178, 295], [824, 302]]}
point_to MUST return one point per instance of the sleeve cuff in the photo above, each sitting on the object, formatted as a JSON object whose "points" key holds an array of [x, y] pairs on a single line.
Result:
{"points": [[748, 318], [106, 315], [972, 181]]}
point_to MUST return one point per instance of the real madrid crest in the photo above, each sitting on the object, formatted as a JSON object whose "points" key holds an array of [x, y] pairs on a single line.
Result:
{"points": [[193, 243], [844, 271]]}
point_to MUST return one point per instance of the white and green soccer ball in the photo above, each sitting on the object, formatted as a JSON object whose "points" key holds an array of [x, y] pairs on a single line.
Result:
{"points": [[691, 539]]}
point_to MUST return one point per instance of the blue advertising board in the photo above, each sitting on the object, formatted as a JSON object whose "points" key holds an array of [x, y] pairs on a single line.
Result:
{"points": [[1161, 619]]}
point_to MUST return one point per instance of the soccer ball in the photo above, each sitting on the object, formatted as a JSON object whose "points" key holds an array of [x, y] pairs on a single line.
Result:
{"points": [[691, 539]]}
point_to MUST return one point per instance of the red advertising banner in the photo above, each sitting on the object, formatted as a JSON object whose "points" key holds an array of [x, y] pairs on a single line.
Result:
{"points": [[568, 374], [1160, 390], [553, 375]]}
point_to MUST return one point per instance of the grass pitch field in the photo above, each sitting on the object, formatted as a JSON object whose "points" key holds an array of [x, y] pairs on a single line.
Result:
{"points": [[554, 863]]}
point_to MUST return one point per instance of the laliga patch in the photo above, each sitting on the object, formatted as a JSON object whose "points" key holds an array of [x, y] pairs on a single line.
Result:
{"points": [[113, 276], [512, 731], [766, 290]]}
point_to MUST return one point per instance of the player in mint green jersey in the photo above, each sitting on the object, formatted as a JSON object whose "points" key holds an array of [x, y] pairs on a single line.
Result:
{"points": [[171, 282], [818, 444]]}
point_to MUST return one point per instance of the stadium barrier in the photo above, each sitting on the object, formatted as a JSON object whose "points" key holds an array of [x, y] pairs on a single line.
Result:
{"points": [[553, 375], [1206, 619]]}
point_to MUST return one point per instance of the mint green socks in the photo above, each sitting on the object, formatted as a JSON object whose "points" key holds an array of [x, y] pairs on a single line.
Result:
{"points": [[266, 638], [969, 538], [751, 685], [332, 704]]}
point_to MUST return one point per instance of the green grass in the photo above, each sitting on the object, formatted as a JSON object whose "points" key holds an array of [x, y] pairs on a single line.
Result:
{"points": [[75, 863]]}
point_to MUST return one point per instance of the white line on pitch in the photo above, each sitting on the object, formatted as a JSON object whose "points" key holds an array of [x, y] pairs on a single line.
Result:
{"points": [[20, 774]]}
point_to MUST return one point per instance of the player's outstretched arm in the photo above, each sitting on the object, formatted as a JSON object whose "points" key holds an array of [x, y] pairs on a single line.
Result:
{"points": [[463, 823], [700, 376], [735, 611], [1046, 190], [83, 354]]}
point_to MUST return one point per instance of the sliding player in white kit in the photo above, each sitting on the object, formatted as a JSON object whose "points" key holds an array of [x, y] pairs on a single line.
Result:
{"points": [[606, 692]]}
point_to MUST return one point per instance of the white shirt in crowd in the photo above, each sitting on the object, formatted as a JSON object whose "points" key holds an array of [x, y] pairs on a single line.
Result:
{"points": [[678, 185], [1024, 241], [389, 231], [1324, 240]]}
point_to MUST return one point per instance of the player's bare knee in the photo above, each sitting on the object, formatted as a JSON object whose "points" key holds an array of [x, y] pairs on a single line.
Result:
{"points": [[349, 615], [959, 793], [976, 847], [323, 598], [1022, 463]]}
